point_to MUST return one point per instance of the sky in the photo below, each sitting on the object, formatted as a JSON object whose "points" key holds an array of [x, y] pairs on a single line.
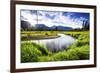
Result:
{"points": [[54, 18]]}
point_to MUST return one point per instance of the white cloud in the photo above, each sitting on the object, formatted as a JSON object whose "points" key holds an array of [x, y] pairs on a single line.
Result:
{"points": [[50, 18], [31, 18]]}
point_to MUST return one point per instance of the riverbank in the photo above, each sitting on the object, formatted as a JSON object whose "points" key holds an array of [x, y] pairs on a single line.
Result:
{"points": [[82, 46], [55, 44], [38, 35], [32, 52]]}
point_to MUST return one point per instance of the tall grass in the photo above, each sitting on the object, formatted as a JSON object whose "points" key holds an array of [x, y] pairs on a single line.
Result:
{"points": [[31, 51], [81, 46]]}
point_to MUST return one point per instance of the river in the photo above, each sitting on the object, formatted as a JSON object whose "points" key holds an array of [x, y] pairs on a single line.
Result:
{"points": [[56, 44]]}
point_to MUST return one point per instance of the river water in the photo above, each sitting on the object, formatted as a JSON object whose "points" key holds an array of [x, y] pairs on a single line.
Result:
{"points": [[56, 44]]}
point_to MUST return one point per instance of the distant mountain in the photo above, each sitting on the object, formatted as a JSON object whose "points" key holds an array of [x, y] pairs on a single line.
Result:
{"points": [[25, 24], [61, 28], [41, 27], [44, 27]]}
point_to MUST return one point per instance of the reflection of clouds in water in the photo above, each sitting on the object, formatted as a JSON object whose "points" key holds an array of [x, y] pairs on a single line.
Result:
{"points": [[57, 44], [60, 43]]}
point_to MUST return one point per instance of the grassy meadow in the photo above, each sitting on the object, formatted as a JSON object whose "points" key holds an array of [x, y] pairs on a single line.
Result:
{"points": [[35, 35], [32, 52]]}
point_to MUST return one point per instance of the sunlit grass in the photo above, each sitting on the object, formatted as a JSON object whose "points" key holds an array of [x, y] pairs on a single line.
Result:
{"points": [[33, 35], [31, 51]]}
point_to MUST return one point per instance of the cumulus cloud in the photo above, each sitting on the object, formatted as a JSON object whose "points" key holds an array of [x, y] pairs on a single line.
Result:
{"points": [[51, 18], [27, 16]]}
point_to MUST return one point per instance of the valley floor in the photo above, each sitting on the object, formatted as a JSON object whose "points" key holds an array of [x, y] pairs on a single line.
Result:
{"points": [[33, 52]]}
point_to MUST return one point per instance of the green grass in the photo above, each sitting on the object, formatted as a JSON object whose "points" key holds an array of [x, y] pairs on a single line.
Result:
{"points": [[81, 47], [33, 35], [32, 52]]}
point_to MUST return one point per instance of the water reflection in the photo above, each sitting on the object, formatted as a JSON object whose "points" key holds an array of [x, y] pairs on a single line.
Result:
{"points": [[56, 44]]}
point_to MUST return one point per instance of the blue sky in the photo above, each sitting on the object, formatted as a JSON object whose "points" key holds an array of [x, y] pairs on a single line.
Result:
{"points": [[51, 18]]}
